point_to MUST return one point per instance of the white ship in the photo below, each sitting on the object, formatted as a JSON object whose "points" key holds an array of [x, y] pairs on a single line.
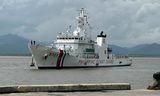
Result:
{"points": [[76, 49]]}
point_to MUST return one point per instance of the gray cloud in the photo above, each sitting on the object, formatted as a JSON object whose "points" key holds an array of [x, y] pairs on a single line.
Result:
{"points": [[127, 22]]}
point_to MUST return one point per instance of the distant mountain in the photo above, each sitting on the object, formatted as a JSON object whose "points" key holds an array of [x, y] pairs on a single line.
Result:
{"points": [[13, 45], [119, 50], [146, 49], [139, 50]]}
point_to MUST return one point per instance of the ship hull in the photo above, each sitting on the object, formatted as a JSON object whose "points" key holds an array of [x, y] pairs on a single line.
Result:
{"points": [[74, 67], [47, 57]]}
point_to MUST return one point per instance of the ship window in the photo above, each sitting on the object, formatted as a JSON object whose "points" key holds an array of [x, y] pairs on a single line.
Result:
{"points": [[104, 51]]}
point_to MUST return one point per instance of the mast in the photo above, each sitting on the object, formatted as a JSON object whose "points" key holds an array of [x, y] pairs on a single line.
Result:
{"points": [[82, 24]]}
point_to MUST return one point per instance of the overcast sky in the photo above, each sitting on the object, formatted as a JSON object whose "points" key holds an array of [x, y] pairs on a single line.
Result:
{"points": [[127, 22]]}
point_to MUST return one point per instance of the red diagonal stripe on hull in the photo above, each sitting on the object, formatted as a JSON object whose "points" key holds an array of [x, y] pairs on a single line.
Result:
{"points": [[60, 55]]}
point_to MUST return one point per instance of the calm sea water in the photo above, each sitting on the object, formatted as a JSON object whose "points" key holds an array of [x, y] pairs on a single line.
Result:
{"points": [[16, 70]]}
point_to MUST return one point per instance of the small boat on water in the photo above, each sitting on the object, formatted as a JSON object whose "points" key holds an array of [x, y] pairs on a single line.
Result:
{"points": [[76, 49]]}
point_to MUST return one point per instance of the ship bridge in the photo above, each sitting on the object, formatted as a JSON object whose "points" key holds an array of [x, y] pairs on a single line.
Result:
{"points": [[77, 40]]}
